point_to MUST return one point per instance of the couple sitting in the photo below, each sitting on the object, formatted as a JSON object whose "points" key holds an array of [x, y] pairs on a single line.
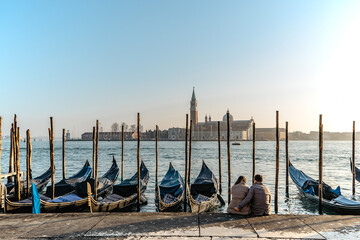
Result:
{"points": [[255, 200]]}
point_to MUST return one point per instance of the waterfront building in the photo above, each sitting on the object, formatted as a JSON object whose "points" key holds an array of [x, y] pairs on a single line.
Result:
{"points": [[176, 133], [208, 130], [269, 134]]}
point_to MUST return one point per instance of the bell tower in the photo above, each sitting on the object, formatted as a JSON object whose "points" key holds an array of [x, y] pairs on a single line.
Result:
{"points": [[193, 108]]}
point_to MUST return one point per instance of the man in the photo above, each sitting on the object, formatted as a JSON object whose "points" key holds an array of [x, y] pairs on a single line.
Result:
{"points": [[259, 196]]}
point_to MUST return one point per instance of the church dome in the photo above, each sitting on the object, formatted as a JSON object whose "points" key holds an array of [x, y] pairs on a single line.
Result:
{"points": [[225, 117]]}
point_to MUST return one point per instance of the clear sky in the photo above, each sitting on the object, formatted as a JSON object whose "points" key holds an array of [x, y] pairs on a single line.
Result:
{"points": [[79, 61]]}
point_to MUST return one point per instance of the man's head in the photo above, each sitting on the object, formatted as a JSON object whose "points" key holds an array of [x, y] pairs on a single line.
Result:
{"points": [[258, 178]]}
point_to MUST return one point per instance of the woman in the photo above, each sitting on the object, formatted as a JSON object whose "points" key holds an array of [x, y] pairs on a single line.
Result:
{"points": [[239, 192]]}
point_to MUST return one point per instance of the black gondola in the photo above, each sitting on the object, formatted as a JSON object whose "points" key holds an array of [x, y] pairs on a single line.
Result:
{"points": [[40, 183], [332, 199], [169, 194], [77, 201], [105, 183], [357, 171], [68, 185], [124, 196], [203, 192]]}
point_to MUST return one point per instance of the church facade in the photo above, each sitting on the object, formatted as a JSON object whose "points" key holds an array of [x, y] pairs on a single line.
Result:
{"points": [[208, 130]]}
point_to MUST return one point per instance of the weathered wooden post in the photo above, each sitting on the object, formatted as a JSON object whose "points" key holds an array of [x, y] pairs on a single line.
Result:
{"points": [[156, 154], [11, 153], [186, 160], [96, 159], [51, 138], [190, 136], [63, 153], [18, 192], [94, 151], [277, 163], [30, 157], [219, 147], [353, 159], [229, 160], [16, 139], [138, 164], [28, 162], [287, 158], [320, 163], [122, 152], [253, 155]]}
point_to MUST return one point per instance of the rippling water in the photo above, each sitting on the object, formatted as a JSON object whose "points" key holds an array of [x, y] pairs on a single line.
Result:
{"points": [[303, 154]]}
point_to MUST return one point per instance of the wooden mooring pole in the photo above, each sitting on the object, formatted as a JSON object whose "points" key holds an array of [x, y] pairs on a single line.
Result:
{"points": [[353, 159], [156, 155], [287, 158], [11, 154], [52, 163], [219, 147], [122, 152], [28, 162], [253, 155], [94, 151], [96, 159], [320, 164], [63, 153], [138, 163], [190, 140], [18, 181], [186, 160], [228, 155], [277, 164], [16, 139]]}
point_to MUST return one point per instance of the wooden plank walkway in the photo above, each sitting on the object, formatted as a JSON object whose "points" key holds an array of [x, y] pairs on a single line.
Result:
{"points": [[177, 226]]}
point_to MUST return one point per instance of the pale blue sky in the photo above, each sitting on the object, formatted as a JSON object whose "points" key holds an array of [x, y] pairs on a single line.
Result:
{"points": [[79, 61]]}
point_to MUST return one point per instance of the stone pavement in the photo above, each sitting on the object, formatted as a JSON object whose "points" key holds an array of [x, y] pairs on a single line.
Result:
{"points": [[177, 226]]}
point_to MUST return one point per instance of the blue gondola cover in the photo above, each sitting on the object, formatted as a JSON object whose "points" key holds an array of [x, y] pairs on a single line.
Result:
{"points": [[35, 200]]}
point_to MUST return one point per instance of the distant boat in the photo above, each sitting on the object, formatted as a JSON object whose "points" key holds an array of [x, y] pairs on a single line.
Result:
{"points": [[236, 143]]}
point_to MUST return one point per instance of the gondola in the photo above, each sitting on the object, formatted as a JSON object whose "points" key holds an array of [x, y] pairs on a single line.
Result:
{"points": [[72, 202], [68, 185], [357, 171], [169, 194], [104, 183], [203, 192], [124, 196], [40, 183], [332, 198]]}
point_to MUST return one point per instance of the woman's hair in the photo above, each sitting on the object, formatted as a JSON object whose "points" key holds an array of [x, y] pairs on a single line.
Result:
{"points": [[241, 178]]}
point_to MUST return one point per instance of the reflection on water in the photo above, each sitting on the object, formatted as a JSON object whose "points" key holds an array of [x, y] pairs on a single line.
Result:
{"points": [[303, 154]]}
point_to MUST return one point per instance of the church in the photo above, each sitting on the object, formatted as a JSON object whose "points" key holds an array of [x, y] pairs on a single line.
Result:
{"points": [[208, 130]]}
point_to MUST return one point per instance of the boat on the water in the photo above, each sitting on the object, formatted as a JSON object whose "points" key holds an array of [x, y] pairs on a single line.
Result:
{"points": [[169, 194], [332, 198], [72, 202], [104, 183], [203, 192], [357, 171], [40, 183], [68, 185], [124, 196]]}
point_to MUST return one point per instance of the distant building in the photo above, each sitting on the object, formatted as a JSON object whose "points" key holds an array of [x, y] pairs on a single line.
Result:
{"points": [[109, 136], [208, 130], [176, 133], [269, 134], [67, 136]]}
